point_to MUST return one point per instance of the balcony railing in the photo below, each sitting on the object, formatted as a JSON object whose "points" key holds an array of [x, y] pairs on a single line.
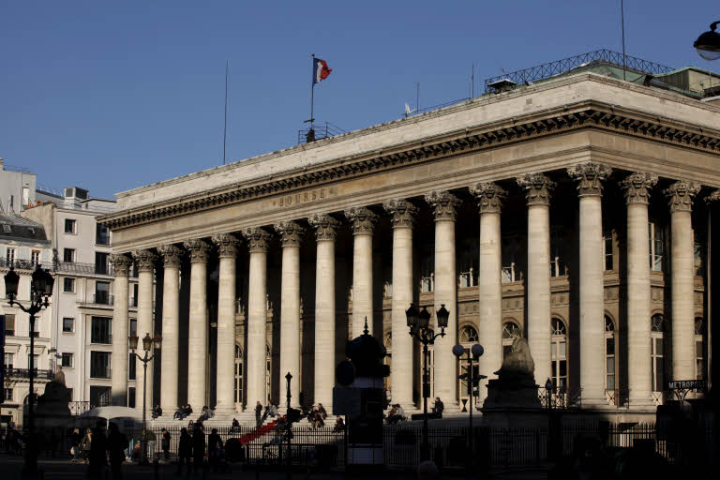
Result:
{"points": [[103, 299], [81, 406], [560, 397], [25, 373], [77, 267], [619, 397], [21, 264]]}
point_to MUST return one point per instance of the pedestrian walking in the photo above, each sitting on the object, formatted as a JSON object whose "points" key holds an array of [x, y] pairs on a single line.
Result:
{"points": [[258, 414], [184, 450], [165, 443], [198, 443], [215, 445], [98, 452], [116, 443], [75, 440], [87, 445]]}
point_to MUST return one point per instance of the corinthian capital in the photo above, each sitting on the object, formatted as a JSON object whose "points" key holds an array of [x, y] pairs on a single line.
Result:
{"points": [[363, 220], [227, 244], [589, 177], [539, 188], [290, 233], [403, 212], [489, 196], [121, 264], [713, 197], [257, 238], [145, 260], [444, 204], [636, 187], [680, 196], [325, 226], [172, 255], [199, 250]]}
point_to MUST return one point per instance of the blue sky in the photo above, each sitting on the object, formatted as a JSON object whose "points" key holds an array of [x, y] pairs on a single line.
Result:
{"points": [[110, 96]]}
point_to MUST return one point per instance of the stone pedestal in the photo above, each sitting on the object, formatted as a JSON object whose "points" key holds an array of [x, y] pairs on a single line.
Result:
{"points": [[512, 394]]}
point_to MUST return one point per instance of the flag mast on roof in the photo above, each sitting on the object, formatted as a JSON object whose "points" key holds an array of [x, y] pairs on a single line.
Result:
{"points": [[320, 72]]}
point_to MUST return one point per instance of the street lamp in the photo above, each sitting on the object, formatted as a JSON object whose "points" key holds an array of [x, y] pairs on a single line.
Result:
{"points": [[41, 289], [473, 353], [147, 346], [708, 43], [419, 324]]}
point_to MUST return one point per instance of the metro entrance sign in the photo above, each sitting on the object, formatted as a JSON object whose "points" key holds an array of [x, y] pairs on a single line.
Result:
{"points": [[687, 385]]}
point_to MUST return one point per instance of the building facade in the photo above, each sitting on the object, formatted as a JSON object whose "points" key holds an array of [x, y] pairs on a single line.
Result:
{"points": [[23, 246], [574, 212]]}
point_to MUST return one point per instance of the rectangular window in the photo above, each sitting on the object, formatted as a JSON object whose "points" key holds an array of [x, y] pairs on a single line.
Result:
{"points": [[35, 360], [35, 258], [69, 255], [70, 226], [102, 235], [99, 396], [9, 359], [131, 366], [8, 395], [99, 365], [68, 324], [9, 324], [699, 360], [68, 285], [608, 250], [131, 397], [558, 253], [657, 363], [9, 256], [102, 293], [101, 330], [101, 263], [67, 360], [25, 197], [657, 247], [133, 325]]}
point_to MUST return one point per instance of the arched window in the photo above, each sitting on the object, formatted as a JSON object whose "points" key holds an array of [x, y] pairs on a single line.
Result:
{"points": [[610, 354], [700, 349], [657, 332], [509, 331], [468, 334], [558, 353], [238, 374]]}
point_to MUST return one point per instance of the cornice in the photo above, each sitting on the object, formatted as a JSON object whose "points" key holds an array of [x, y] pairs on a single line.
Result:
{"points": [[571, 117]]}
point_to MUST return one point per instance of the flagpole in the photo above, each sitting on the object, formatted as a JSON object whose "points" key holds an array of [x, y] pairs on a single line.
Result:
{"points": [[312, 96], [226, 92]]}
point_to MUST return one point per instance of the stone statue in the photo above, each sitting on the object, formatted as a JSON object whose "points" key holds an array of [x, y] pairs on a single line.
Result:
{"points": [[519, 363], [59, 376]]}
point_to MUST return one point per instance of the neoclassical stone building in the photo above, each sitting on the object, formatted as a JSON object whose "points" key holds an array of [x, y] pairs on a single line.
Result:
{"points": [[575, 212]]}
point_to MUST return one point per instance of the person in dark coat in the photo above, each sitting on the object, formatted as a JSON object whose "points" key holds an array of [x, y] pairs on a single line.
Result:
{"points": [[214, 446], [116, 444], [165, 444], [198, 447], [98, 452], [258, 414], [185, 449]]}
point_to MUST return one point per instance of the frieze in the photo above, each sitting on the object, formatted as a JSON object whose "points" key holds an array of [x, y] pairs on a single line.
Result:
{"points": [[304, 197], [680, 196], [199, 250], [489, 196], [585, 114], [121, 264], [539, 188], [636, 187], [325, 226], [227, 244]]}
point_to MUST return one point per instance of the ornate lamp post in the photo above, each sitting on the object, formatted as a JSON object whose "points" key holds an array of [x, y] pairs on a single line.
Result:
{"points": [[41, 290], [419, 324], [473, 353], [708, 43], [147, 346]]}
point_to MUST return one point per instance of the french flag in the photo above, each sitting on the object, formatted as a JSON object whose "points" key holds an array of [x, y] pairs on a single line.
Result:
{"points": [[320, 70]]}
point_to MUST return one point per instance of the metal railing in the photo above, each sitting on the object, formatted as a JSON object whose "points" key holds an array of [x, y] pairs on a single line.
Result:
{"points": [[620, 397], [560, 397], [25, 373], [547, 70], [78, 267], [20, 264], [103, 299], [321, 131]]}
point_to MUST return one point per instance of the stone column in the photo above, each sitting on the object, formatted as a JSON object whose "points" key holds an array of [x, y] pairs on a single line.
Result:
{"points": [[145, 261], [227, 249], [636, 187], [680, 197], [325, 234], [172, 258], [363, 223], [591, 279], [198, 326], [257, 239], [712, 285], [290, 346], [403, 216], [539, 189], [446, 280], [489, 197], [121, 265]]}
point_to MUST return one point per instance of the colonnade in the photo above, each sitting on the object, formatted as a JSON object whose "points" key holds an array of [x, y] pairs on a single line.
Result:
{"points": [[589, 178]]}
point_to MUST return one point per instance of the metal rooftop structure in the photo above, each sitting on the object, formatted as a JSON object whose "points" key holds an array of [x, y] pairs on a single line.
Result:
{"points": [[547, 70]]}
